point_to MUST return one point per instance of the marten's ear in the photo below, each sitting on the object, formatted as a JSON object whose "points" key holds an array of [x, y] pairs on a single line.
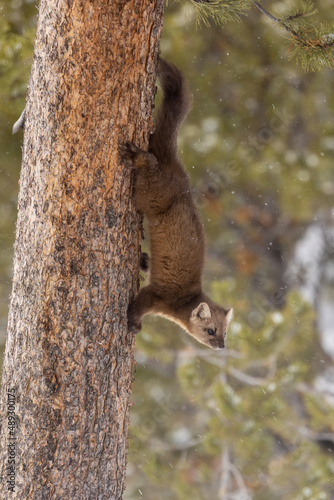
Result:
{"points": [[202, 311], [229, 315]]}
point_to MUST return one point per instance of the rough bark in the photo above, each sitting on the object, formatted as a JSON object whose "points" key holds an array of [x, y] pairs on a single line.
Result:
{"points": [[68, 359]]}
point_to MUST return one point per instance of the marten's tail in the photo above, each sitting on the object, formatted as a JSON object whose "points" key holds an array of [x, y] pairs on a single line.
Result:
{"points": [[174, 108]]}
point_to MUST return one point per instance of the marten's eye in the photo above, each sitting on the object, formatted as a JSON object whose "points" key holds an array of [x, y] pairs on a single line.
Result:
{"points": [[210, 331]]}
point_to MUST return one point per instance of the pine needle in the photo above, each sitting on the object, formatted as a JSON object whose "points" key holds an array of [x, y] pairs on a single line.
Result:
{"points": [[220, 11]]}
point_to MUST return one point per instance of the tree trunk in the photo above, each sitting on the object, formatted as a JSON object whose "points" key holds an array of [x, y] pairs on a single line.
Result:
{"points": [[68, 363]]}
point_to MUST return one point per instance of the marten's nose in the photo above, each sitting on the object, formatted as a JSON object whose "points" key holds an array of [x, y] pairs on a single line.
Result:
{"points": [[221, 343]]}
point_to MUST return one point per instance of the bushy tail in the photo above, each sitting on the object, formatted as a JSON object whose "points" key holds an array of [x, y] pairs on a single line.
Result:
{"points": [[175, 106]]}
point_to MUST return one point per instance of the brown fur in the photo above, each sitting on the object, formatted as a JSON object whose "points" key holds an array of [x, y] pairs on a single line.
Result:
{"points": [[177, 240]]}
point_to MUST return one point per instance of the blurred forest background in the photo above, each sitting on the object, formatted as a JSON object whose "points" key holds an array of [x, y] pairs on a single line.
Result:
{"points": [[257, 420]]}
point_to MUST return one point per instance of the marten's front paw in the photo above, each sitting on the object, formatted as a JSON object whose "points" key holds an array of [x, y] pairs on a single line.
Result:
{"points": [[129, 152], [134, 324], [134, 329], [134, 156]]}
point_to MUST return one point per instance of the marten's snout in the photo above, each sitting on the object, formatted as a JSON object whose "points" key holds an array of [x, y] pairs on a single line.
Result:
{"points": [[217, 344]]}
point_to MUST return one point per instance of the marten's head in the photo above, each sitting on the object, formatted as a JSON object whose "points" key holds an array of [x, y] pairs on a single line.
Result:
{"points": [[209, 324]]}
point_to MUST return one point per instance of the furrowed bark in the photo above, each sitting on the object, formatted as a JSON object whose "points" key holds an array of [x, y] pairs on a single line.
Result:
{"points": [[68, 357]]}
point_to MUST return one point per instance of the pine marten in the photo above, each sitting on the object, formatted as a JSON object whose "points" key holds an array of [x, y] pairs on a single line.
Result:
{"points": [[177, 243]]}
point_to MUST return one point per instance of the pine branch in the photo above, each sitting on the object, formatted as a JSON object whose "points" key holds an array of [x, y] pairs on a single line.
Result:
{"points": [[315, 51], [264, 11], [312, 46], [220, 11], [289, 21]]}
